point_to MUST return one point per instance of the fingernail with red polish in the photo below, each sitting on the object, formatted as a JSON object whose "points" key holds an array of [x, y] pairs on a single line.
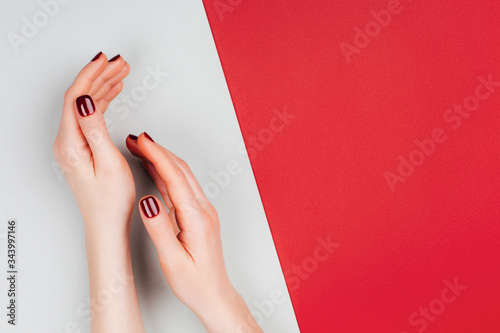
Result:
{"points": [[114, 58], [98, 55], [85, 105], [147, 136], [149, 207], [132, 137]]}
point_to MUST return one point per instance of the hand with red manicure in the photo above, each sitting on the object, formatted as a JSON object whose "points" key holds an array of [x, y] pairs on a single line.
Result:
{"points": [[84, 150], [187, 239], [104, 189]]}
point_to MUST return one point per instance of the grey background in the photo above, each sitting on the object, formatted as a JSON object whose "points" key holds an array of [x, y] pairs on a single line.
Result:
{"points": [[190, 112]]}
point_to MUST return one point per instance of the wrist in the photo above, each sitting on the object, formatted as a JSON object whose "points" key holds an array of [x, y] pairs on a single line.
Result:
{"points": [[107, 226], [111, 280], [109, 260], [228, 313], [107, 243], [108, 252]]}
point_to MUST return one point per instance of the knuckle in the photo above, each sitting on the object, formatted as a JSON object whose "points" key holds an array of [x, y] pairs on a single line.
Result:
{"points": [[213, 226], [68, 93], [183, 165], [95, 133], [106, 86], [207, 225], [56, 149], [178, 173], [68, 155], [64, 154], [213, 212], [188, 213], [183, 213], [159, 230]]}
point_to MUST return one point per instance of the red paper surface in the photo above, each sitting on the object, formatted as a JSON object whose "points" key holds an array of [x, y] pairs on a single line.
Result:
{"points": [[323, 173]]}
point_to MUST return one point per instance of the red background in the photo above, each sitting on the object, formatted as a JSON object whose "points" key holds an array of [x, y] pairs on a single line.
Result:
{"points": [[323, 174]]}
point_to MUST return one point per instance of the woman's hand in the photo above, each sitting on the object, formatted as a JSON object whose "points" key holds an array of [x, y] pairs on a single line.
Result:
{"points": [[187, 239], [104, 189], [94, 168]]}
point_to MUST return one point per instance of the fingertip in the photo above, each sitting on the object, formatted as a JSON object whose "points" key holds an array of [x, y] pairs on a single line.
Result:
{"points": [[126, 69], [145, 135], [116, 58], [98, 63], [132, 146], [85, 106], [149, 207], [97, 56], [118, 61], [100, 58], [85, 78], [131, 141], [144, 143]]}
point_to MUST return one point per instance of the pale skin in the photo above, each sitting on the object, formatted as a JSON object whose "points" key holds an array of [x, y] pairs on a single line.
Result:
{"points": [[186, 232]]}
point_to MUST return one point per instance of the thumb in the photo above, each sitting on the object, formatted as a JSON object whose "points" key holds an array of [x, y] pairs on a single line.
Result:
{"points": [[94, 128], [160, 230]]}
